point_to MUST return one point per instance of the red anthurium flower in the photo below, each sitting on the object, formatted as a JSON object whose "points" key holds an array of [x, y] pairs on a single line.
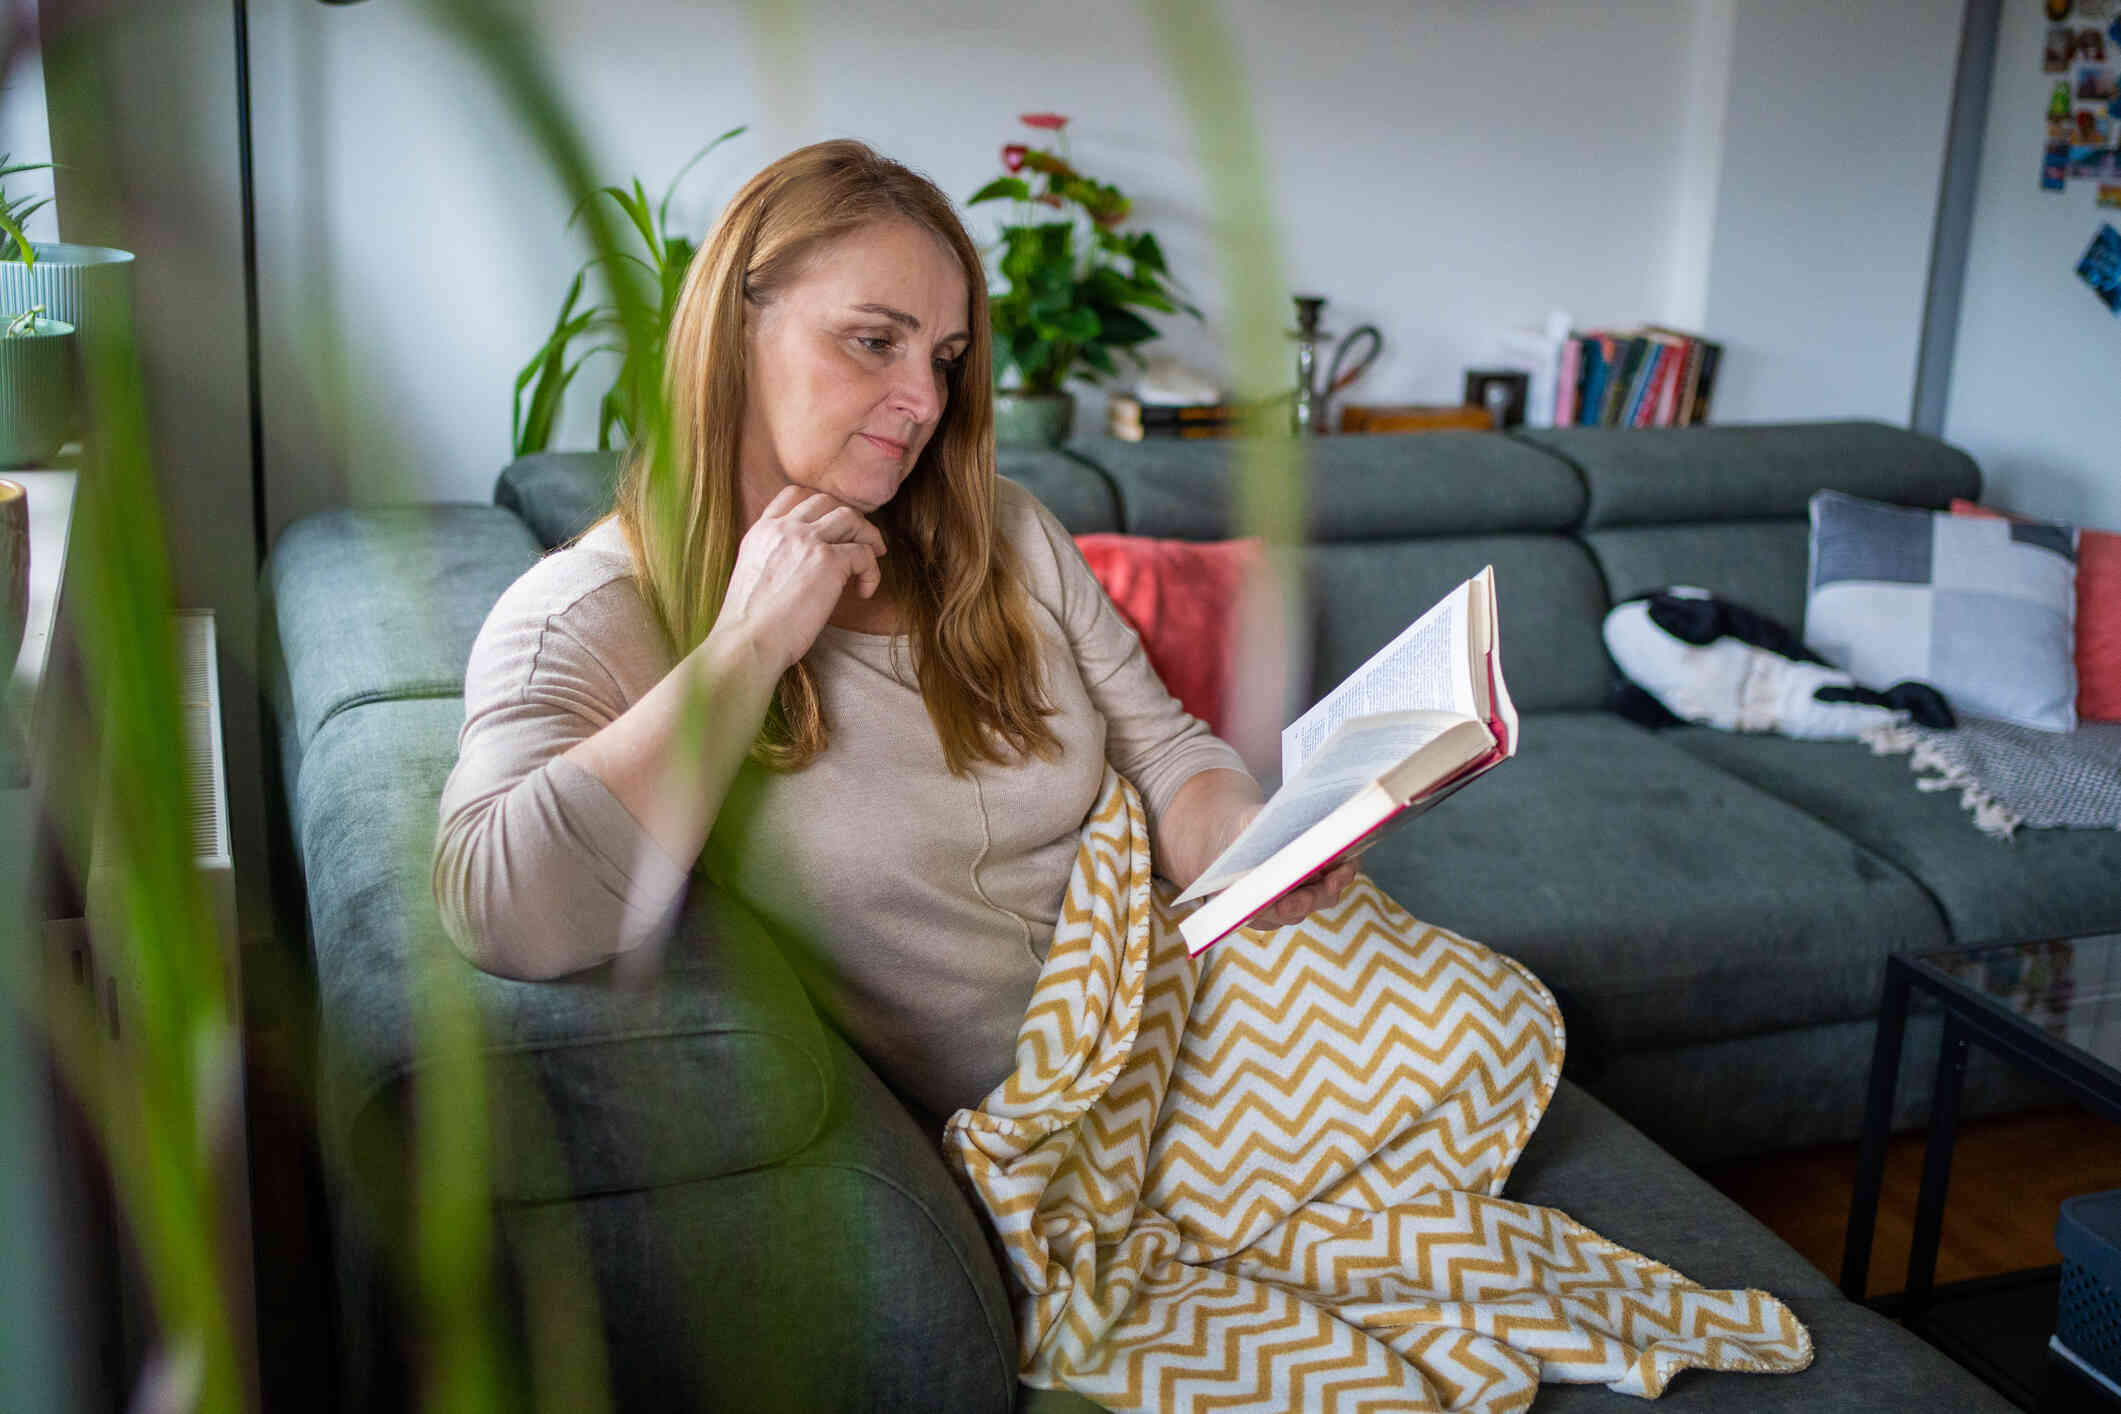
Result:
{"points": [[1013, 156], [1052, 122]]}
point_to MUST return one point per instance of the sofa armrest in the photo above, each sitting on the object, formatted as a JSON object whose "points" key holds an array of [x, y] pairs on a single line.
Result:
{"points": [[705, 1059], [640, 1074]]}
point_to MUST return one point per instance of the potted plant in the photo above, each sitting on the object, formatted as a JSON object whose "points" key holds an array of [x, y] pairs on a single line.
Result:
{"points": [[551, 369], [36, 387], [1070, 287], [88, 287]]}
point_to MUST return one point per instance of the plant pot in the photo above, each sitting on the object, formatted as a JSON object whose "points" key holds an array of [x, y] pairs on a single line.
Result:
{"points": [[87, 286], [1033, 419], [84, 285], [36, 393]]}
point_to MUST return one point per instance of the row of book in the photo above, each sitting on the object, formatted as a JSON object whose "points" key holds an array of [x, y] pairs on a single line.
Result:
{"points": [[1130, 420], [1638, 377], [1647, 377]]}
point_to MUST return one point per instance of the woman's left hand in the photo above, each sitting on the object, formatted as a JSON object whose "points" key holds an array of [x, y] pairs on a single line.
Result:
{"points": [[1212, 809], [1322, 890]]}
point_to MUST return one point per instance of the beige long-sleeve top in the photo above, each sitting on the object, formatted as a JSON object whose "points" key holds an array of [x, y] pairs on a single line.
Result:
{"points": [[916, 905]]}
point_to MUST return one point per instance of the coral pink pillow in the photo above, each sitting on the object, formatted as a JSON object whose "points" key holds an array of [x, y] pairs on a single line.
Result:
{"points": [[1180, 596], [2098, 618]]}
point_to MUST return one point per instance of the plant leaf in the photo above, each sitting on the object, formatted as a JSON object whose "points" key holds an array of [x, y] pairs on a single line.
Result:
{"points": [[662, 211], [19, 242], [1075, 326], [546, 365], [1015, 187], [1118, 327], [617, 256], [544, 409], [636, 209]]}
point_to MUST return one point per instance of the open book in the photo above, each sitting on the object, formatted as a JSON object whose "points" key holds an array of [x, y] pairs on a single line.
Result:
{"points": [[1424, 716]]}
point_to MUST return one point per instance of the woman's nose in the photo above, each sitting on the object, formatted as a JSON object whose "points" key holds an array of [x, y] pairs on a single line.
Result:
{"points": [[916, 393]]}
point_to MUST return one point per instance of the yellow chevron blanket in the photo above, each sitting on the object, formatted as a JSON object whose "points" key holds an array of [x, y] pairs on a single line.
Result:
{"points": [[1265, 1179]]}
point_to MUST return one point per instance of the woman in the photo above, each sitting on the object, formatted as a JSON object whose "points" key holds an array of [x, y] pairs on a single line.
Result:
{"points": [[874, 683]]}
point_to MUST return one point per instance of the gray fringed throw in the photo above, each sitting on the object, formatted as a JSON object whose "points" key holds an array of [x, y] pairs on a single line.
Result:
{"points": [[2010, 776]]}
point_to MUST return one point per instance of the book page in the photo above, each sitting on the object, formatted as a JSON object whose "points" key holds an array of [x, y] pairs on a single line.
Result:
{"points": [[1424, 669], [1355, 756]]}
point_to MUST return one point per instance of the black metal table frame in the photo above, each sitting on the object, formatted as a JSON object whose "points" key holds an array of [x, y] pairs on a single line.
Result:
{"points": [[1970, 1016]]}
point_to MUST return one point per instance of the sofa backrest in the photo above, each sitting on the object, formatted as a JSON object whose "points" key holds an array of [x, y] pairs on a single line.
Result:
{"points": [[1573, 519], [1725, 507], [1391, 524], [561, 494]]}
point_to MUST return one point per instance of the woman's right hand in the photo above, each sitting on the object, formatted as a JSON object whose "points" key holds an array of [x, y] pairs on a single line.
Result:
{"points": [[792, 567]]}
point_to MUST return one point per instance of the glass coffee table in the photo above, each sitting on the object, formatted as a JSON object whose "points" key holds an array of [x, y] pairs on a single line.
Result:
{"points": [[2051, 1008]]}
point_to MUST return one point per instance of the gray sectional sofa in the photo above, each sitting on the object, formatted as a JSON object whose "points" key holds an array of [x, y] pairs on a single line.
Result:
{"points": [[762, 1225]]}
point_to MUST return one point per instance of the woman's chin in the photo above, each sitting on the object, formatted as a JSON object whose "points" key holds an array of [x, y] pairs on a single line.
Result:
{"points": [[866, 493]]}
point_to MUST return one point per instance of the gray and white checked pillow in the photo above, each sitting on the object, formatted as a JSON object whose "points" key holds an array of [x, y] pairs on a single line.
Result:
{"points": [[1982, 610]]}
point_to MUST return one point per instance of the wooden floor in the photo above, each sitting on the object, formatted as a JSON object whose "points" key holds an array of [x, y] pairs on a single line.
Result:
{"points": [[2009, 1177]]}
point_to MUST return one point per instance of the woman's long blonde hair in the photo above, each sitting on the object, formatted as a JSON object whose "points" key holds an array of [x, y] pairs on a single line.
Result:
{"points": [[974, 649]]}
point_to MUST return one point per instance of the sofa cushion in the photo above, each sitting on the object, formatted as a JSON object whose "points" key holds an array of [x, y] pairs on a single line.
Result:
{"points": [[2039, 884], [1979, 609], [1638, 476], [1601, 1171], [1669, 900], [1552, 601], [851, 1276], [561, 494], [1076, 491], [701, 1062], [1863, 1363], [1760, 564], [1360, 488], [383, 602], [1707, 1102], [2098, 638], [1181, 597], [558, 494]]}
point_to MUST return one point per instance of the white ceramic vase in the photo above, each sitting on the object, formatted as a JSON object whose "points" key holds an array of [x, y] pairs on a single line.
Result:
{"points": [[36, 392], [87, 286]]}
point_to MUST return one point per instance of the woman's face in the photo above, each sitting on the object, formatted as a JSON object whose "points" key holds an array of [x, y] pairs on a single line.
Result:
{"points": [[849, 368]]}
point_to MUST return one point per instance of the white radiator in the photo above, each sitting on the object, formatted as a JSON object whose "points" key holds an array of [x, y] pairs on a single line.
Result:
{"points": [[206, 803], [118, 997], [199, 694]]}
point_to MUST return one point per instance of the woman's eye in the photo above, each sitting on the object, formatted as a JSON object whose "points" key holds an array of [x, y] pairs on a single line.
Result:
{"points": [[948, 365], [874, 343]]}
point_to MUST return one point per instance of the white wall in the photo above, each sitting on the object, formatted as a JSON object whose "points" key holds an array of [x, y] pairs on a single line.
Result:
{"points": [[25, 132], [1444, 170], [2034, 376], [1832, 160]]}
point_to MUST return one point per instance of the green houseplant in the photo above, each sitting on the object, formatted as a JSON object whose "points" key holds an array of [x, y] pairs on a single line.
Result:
{"points": [[660, 268], [1071, 286], [15, 211]]}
